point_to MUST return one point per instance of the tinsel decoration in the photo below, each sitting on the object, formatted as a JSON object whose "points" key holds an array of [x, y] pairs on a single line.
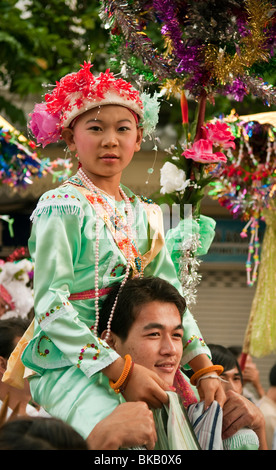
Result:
{"points": [[250, 50], [188, 268], [20, 161], [122, 18], [246, 184], [210, 45]]}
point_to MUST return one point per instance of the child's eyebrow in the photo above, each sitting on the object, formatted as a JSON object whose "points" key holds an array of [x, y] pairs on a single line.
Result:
{"points": [[93, 120], [100, 120]]}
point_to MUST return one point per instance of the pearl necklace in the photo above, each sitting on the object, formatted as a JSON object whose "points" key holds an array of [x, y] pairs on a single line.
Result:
{"points": [[88, 183]]}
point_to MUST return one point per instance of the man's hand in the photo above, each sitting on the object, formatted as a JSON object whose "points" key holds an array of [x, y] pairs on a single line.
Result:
{"points": [[129, 425], [238, 413]]}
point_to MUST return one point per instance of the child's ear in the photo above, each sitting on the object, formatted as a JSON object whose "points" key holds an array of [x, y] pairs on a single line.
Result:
{"points": [[139, 139], [68, 136]]}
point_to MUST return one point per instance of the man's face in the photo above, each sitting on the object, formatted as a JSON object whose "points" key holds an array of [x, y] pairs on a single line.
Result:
{"points": [[155, 339], [232, 380]]}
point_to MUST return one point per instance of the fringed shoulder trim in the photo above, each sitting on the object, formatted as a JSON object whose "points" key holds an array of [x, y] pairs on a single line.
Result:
{"points": [[58, 204]]}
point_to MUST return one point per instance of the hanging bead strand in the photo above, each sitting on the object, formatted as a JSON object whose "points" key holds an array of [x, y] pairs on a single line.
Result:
{"points": [[88, 183]]}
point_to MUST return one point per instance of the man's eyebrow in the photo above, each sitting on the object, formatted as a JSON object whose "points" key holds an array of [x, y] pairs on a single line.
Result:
{"points": [[160, 326], [236, 374]]}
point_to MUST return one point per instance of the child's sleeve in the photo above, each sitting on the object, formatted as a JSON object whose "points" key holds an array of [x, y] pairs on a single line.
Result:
{"points": [[62, 338], [204, 229]]}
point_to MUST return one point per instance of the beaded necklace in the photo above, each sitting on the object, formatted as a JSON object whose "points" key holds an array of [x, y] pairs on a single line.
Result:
{"points": [[88, 183]]}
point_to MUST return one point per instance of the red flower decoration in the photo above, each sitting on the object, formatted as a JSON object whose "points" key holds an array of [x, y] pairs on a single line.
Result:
{"points": [[202, 152], [220, 134]]}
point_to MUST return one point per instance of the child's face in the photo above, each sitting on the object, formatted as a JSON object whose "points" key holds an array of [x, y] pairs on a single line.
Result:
{"points": [[105, 140]]}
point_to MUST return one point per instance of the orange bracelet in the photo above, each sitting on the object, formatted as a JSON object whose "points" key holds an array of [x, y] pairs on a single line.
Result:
{"points": [[219, 369], [116, 386], [123, 387]]}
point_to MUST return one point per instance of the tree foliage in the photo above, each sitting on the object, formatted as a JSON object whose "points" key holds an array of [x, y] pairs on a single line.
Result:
{"points": [[40, 41]]}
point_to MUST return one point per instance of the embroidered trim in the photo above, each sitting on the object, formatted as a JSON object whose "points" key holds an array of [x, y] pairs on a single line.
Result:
{"points": [[93, 346], [146, 199], [192, 339], [55, 312], [46, 351], [116, 222], [58, 205], [74, 180], [114, 270]]}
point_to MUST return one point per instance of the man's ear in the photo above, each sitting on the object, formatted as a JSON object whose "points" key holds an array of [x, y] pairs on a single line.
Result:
{"points": [[68, 137], [111, 340]]}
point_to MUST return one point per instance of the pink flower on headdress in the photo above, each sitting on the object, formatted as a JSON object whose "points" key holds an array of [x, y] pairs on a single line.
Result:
{"points": [[44, 125], [220, 134], [202, 152]]}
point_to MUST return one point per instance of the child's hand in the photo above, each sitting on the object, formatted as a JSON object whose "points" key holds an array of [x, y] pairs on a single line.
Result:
{"points": [[210, 390], [145, 385]]}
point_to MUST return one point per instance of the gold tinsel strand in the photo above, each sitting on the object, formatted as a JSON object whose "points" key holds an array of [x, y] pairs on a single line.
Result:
{"points": [[168, 47], [172, 87], [225, 67]]}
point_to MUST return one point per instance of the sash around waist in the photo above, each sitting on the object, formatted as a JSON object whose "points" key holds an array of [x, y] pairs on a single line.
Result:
{"points": [[89, 294]]}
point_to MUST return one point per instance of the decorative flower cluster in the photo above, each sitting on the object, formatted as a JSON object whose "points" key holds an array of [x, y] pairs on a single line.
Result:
{"points": [[190, 167], [84, 86]]}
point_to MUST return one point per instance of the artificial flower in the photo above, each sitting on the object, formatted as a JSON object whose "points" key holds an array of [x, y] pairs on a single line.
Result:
{"points": [[202, 152], [44, 125], [172, 179], [220, 134]]}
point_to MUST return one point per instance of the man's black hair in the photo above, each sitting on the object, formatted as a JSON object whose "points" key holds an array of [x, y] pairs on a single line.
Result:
{"points": [[135, 293]]}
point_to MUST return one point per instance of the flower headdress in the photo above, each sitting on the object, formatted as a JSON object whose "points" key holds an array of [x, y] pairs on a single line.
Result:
{"points": [[76, 93]]}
